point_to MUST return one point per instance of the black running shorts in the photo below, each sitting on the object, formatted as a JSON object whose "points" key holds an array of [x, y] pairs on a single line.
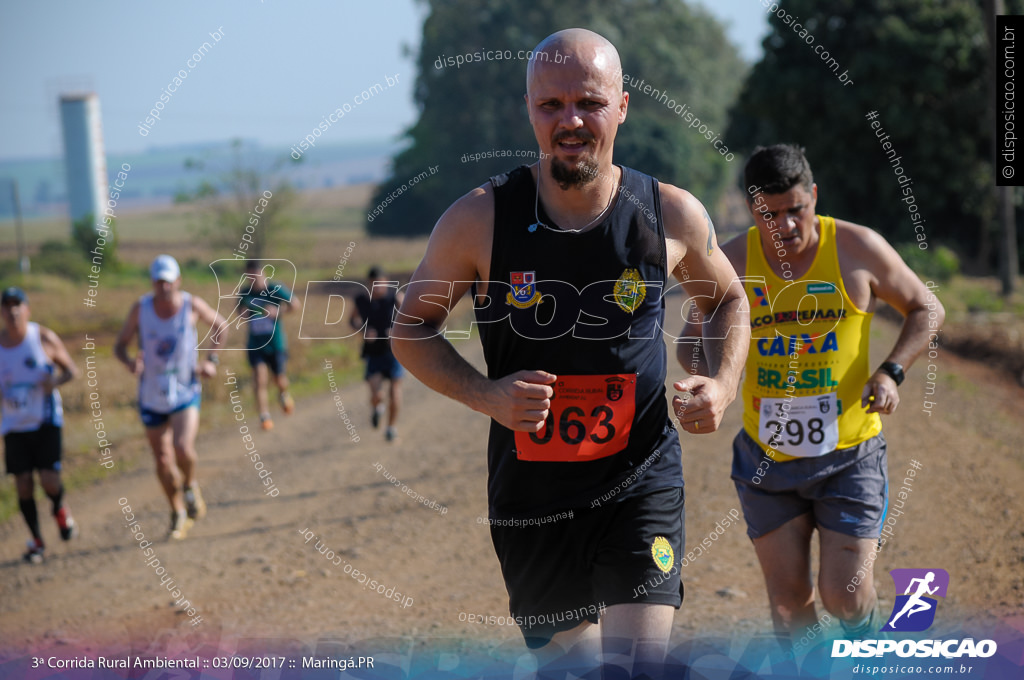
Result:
{"points": [[34, 450], [561, 573]]}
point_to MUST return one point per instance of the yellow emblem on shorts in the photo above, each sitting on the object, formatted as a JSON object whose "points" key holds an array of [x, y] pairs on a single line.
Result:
{"points": [[630, 290], [661, 551]]}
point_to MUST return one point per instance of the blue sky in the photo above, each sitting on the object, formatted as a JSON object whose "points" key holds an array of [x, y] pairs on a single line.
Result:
{"points": [[278, 70]]}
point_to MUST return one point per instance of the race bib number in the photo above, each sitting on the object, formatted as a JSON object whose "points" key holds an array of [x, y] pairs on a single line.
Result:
{"points": [[590, 418], [804, 427], [17, 399]]}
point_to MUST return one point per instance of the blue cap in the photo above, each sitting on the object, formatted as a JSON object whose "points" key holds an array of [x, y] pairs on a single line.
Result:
{"points": [[13, 294]]}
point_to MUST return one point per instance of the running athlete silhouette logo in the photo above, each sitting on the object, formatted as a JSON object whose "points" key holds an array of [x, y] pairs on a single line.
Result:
{"points": [[914, 610], [260, 319], [243, 314]]}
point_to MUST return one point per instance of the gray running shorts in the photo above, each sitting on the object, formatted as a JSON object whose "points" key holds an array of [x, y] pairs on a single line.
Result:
{"points": [[846, 491]]}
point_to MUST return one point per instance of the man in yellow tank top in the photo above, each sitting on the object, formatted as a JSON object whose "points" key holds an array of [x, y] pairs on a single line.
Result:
{"points": [[811, 454]]}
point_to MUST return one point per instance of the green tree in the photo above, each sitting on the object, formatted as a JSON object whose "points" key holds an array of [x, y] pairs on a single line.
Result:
{"points": [[225, 206], [87, 235], [477, 107], [920, 65]]}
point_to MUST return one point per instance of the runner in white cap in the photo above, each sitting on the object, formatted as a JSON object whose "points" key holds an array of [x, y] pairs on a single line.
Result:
{"points": [[169, 390]]}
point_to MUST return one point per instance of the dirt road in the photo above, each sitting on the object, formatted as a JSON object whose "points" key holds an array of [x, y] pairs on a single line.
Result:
{"points": [[248, 571]]}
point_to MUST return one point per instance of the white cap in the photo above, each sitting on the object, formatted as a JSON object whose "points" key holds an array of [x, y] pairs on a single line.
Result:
{"points": [[164, 268]]}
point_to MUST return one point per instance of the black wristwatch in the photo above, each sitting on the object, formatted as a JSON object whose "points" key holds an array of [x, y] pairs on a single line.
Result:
{"points": [[894, 371]]}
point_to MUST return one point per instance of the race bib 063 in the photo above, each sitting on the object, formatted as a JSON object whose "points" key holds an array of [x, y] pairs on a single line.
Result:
{"points": [[804, 427], [590, 418]]}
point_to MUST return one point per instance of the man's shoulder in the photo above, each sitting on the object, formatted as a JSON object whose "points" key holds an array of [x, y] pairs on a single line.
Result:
{"points": [[858, 241], [679, 207], [675, 195], [851, 231], [473, 202], [467, 222], [45, 333]]}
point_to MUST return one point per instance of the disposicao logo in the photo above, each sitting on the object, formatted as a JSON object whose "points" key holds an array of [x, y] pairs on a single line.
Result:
{"points": [[914, 611]]}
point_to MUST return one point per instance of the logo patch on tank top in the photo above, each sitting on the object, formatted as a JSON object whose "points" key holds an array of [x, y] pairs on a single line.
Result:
{"points": [[630, 291], [524, 290], [661, 551], [166, 346]]}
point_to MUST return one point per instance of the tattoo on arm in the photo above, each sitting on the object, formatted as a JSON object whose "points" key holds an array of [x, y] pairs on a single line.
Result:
{"points": [[711, 231]]}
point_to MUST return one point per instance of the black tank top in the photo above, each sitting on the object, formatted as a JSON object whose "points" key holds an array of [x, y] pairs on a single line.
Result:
{"points": [[588, 308], [379, 314]]}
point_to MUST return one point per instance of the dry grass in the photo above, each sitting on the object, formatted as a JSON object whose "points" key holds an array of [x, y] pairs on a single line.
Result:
{"points": [[327, 222]]}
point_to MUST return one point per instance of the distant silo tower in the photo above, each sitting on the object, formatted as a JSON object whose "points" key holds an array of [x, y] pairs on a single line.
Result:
{"points": [[84, 156]]}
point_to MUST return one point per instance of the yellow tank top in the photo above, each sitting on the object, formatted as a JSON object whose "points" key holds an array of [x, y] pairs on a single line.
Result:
{"points": [[808, 359]]}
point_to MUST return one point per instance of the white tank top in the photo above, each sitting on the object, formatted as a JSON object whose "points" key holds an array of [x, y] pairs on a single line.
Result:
{"points": [[22, 368], [169, 352]]}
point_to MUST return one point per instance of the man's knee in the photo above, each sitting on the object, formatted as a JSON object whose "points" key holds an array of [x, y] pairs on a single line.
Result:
{"points": [[50, 481], [23, 483], [848, 605], [165, 463], [184, 447]]}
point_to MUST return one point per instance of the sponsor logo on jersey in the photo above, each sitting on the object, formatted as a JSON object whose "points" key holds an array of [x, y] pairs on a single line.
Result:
{"points": [[804, 343], [524, 290], [760, 296], [801, 316], [811, 378], [630, 291], [813, 288], [166, 346]]}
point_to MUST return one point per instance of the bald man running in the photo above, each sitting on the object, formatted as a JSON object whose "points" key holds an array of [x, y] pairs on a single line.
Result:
{"points": [[568, 260]]}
